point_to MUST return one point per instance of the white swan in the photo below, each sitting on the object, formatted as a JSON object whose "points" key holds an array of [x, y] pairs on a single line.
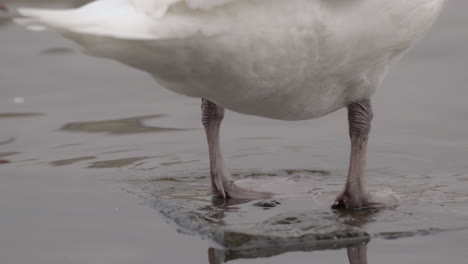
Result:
{"points": [[281, 59]]}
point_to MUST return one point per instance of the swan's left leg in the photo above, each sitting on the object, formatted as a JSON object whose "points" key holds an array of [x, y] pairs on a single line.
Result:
{"points": [[221, 182], [355, 194]]}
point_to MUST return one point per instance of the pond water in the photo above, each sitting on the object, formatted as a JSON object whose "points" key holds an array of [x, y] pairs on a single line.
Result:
{"points": [[99, 165]]}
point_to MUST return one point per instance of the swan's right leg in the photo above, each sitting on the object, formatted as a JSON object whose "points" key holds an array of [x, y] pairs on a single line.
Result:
{"points": [[355, 194], [221, 182]]}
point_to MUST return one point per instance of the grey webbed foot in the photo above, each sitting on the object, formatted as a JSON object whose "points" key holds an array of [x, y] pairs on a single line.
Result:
{"points": [[231, 190], [364, 201]]}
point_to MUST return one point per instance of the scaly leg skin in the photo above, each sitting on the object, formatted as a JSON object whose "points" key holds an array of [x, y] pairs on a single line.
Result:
{"points": [[221, 182], [355, 194]]}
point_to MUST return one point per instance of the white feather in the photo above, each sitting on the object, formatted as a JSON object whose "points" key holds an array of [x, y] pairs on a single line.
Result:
{"points": [[294, 59]]}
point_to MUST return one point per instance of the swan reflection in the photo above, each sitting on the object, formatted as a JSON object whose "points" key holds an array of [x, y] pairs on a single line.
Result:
{"points": [[356, 247]]}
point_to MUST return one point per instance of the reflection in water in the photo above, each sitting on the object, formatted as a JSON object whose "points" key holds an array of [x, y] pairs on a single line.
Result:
{"points": [[357, 255], [123, 126], [186, 201], [302, 221], [214, 257], [356, 247]]}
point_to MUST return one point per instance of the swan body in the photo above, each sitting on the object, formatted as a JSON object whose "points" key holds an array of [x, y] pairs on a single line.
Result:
{"points": [[281, 59], [288, 60]]}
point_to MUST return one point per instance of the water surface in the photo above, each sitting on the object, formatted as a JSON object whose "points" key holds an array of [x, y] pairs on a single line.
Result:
{"points": [[100, 165]]}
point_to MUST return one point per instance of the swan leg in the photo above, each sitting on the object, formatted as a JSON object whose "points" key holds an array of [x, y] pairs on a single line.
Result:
{"points": [[355, 194], [222, 184]]}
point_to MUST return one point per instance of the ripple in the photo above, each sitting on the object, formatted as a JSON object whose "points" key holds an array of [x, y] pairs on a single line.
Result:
{"points": [[57, 51], [70, 161], [118, 163], [7, 154], [19, 115], [292, 172], [7, 141], [178, 162], [303, 220], [133, 125], [69, 145], [119, 151]]}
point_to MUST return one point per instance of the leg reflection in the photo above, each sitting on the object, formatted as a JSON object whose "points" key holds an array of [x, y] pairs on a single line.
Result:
{"points": [[357, 255], [268, 247], [215, 256]]}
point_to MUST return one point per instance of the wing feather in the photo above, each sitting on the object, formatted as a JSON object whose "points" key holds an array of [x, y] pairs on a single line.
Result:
{"points": [[128, 19]]}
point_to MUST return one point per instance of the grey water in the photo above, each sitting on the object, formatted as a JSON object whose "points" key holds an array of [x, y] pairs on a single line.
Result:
{"points": [[100, 165]]}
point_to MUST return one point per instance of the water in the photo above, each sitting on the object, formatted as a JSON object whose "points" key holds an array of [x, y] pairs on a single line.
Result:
{"points": [[98, 165]]}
